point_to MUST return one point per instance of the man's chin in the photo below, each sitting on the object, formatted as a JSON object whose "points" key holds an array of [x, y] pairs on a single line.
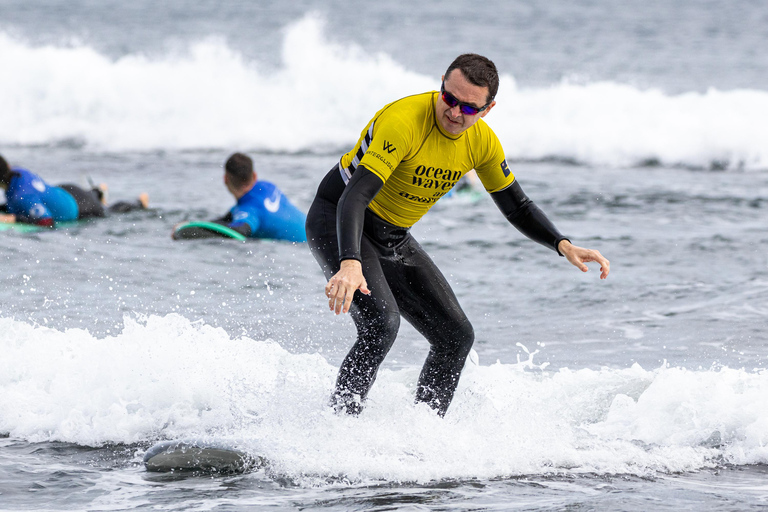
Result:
{"points": [[451, 127]]}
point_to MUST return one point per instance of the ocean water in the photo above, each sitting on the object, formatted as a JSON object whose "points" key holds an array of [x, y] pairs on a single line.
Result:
{"points": [[639, 127]]}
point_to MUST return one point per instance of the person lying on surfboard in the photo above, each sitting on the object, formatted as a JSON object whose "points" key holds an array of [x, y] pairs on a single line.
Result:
{"points": [[30, 200], [262, 210]]}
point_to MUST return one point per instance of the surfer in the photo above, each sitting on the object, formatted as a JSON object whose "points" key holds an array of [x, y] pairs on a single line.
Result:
{"points": [[410, 154], [29, 199], [262, 210]]}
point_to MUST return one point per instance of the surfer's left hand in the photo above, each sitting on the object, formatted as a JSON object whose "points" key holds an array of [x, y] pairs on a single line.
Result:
{"points": [[578, 256]]}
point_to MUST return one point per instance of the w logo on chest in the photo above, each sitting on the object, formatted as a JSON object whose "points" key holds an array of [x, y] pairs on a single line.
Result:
{"points": [[389, 147]]}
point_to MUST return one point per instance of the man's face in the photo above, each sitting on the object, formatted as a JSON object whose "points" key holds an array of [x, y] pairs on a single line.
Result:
{"points": [[452, 119]]}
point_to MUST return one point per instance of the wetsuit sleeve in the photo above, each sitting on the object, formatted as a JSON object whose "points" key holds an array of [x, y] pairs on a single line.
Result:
{"points": [[350, 214], [241, 227], [226, 219], [35, 213], [523, 213], [244, 229]]}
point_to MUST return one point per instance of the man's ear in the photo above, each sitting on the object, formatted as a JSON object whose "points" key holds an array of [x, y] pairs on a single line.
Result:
{"points": [[484, 112]]}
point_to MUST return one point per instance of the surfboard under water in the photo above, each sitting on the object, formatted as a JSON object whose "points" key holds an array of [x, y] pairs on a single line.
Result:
{"points": [[20, 227], [23, 227], [202, 229], [199, 455]]}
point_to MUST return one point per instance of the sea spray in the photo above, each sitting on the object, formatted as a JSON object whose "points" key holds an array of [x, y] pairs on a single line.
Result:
{"points": [[170, 378]]}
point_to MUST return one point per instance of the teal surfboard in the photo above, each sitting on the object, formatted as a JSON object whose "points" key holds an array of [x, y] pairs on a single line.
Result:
{"points": [[20, 227], [202, 229]]}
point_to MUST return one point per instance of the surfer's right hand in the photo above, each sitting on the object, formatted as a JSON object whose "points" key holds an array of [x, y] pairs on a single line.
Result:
{"points": [[342, 286]]}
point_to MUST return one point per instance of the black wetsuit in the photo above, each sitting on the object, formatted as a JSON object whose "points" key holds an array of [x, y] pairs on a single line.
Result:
{"points": [[403, 281], [89, 203]]}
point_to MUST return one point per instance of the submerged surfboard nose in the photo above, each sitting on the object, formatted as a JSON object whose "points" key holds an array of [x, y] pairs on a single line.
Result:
{"points": [[200, 455]]}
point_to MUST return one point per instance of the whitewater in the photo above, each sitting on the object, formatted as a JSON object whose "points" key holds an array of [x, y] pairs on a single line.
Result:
{"points": [[178, 378], [208, 95]]}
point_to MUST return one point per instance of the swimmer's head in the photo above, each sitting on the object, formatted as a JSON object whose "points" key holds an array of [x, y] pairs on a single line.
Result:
{"points": [[239, 175]]}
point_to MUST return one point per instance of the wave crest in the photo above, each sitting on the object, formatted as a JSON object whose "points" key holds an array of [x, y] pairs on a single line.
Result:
{"points": [[323, 93]]}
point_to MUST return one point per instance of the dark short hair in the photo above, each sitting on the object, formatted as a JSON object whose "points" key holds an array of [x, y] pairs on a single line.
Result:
{"points": [[5, 170], [239, 167], [479, 71]]}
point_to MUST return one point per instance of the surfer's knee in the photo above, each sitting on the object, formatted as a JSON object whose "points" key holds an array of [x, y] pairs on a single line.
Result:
{"points": [[464, 337], [455, 339], [380, 330]]}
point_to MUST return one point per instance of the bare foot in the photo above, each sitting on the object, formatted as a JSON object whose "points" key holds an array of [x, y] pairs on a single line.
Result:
{"points": [[144, 200], [104, 189]]}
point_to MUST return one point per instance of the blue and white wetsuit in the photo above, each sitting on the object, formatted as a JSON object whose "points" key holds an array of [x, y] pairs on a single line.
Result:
{"points": [[33, 201], [265, 212]]}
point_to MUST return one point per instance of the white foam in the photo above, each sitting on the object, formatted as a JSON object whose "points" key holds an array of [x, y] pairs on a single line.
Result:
{"points": [[617, 124], [323, 94], [208, 97], [169, 378]]}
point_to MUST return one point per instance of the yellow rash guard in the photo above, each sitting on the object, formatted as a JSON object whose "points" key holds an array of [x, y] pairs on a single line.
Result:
{"points": [[419, 162]]}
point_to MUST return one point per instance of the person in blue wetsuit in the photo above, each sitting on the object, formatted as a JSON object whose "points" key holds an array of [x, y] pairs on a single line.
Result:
{"points": [[262, 210], [30, 200]]}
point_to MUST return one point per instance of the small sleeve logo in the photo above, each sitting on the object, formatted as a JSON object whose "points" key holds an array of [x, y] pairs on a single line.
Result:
{"points": [[505, 168], [272, 204], [37, 211]]}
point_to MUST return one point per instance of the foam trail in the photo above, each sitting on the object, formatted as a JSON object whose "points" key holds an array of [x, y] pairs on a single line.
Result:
{"points": [[323, 93], [168, 377]]}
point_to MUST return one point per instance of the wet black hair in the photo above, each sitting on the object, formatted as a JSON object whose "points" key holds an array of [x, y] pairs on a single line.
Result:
{"points": [[239, 167], [5, 171], [479, 70]]}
